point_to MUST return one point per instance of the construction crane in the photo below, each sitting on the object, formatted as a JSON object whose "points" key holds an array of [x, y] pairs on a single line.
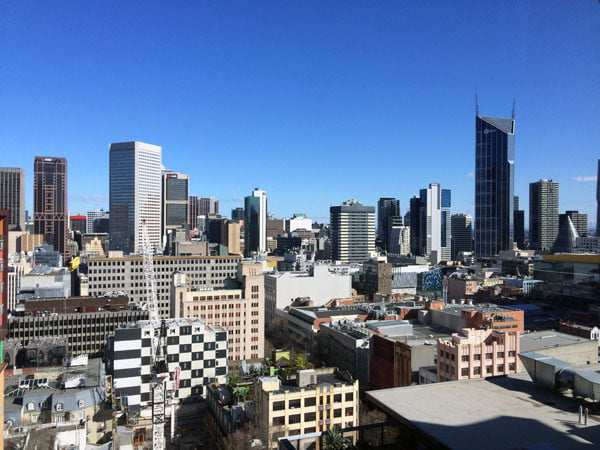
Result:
{"points": [[160, 370]]}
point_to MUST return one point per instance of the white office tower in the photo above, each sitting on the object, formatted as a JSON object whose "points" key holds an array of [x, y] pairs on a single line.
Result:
{"points": [[435, 204], [399, 240], [135, 195], [352, 231]]}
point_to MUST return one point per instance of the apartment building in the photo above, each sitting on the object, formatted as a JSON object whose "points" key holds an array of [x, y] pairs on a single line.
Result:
{"points": [[317, 400], [241, 311], [118, 273], [477, 354], [199, 350]]}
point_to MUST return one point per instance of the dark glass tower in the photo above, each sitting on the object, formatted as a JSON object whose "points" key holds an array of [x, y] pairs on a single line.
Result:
{"points": [[494, 184], [388, 215]]}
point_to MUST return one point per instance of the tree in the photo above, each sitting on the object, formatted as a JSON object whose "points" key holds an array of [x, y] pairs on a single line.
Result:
{"points": [[241, 392], [335, 440]]}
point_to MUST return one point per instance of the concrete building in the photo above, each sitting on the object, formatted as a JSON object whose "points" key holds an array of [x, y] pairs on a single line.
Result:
{"points": [[377, 277], [12, 196], [118, 273], [237, 213], [298, 222], [175, 187], [399, 243], [318, 400], [135, 195], [479, 316], [45, 282], [352, 231], [199, 350], [208, 206], [579, 220], [4, 280], [77, 223], [255, 222], [570, 276], [477, 354], [494, 184], [50, 201], [93, 220], [462, 234], [575, 350], [58, 397], [543, 214], [434, 235], [240, 311], [84, 323], [193, 205], [319, 284]]}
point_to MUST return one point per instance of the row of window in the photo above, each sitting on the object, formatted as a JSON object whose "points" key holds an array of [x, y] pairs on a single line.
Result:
{"points": [[310, 401]]}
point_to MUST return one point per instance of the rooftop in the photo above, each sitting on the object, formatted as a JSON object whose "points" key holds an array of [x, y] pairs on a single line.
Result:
{"points": [[486, 308], [537, 340], [515, 414]]}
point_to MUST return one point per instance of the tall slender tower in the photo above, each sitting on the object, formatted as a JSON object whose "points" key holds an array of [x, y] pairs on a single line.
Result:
{"points": [[462, 234], [50, 201], [175, 201], [135, 195], [388, 216], [434, 236], [543, 214], [494, 184], [12, 196], [255, 208]]}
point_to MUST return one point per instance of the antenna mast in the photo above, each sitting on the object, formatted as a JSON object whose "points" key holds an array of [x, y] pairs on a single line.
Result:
{"points": [[514, 110], [476, 104]]}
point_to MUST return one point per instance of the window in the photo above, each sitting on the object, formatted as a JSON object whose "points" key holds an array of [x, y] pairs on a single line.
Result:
{"points": [[511, 366], [512, 353], [310, 417], [337, 398], [310, 401], [310, 430], [489, 355], [476, 370], [294, 418], [294, 403], [349, 411], [464, 371], [278, 420], [464, 358], [500, 354], [349, 396], [30, 406], [337, 412], [489, 369], [80, 403], [500, 367], [477, 356], [59, 406], [278, 406]]}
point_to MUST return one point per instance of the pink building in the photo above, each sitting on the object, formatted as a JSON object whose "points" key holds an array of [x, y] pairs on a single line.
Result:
{"points": [[477, 354]]}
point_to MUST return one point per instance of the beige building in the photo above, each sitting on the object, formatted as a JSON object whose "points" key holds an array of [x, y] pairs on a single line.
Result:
{"points": [[317, 400], [233, 237], [118, 273], [240, 311], [477, 354]]}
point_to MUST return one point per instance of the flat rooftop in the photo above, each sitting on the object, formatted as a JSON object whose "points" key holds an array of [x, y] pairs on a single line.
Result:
{"points": [[493, 413], [538, 340], [457, 308]]}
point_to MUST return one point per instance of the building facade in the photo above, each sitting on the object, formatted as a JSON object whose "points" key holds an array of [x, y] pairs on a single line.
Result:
{"points": [[208, 206], [126, 274], [240, 311], [462, 234], [193, 211], [399, 243], [256, 222], [388, 215], [543, 214], [135, 195], [4, 280], [352, 231], [199, 350], [50, 201], [12, 196], [175, 205], [92, 222], [494, 184], [579, 220], [434, 236]]}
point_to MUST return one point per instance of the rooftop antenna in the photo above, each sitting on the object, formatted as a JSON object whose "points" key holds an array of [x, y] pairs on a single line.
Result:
{"points": [[476, 104], [514, 110]]}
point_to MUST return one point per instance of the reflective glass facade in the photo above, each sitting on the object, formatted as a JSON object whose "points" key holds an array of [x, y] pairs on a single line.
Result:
{"points": [[494, 184]]}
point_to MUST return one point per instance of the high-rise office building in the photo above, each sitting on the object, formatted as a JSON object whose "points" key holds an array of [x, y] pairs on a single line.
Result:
{"points": [[12, 196], [175, 201], [494, 184], [388, 215], [399, 240], [208, 206], [50, 201], [78, 223], [237, 213], [95, 221], [543, 214], [580, 222], [598, 201], [415, 225], [518, 223], [135, 195], [4, 282], [193, 212], [462, 234], [256, 222], [434, 236], [352, 231]]}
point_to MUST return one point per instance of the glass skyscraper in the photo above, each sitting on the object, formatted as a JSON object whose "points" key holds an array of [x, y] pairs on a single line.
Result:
{"points": [[256, 222], [494, 184], [135, 195]]}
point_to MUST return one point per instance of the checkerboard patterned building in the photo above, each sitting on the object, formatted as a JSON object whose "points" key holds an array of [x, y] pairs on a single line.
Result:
{"points": [[199, 350]]}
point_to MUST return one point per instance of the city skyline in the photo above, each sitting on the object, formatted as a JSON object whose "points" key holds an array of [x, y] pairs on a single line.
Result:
{"points": [[308, 86]]}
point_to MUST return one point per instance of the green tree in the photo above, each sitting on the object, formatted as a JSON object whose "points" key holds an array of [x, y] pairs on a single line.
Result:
{"points": [[335, 440], [241, 392]]}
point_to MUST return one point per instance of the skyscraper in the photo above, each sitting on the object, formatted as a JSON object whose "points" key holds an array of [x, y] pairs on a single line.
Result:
{"points": [[579, 220], [175, 201], [434, 236], [95, 220], [388, 215], [518, 224], [352, 231], [193, 212], [12, 196], [543, 214], [208, 206], [237, 213], [415, 225], [255, 208], [462, 234], [494, 184], [598, 201], [135, 195], [50, 201]]}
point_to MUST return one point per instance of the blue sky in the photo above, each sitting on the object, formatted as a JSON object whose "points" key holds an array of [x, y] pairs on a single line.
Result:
{"points": [[315, 102]]}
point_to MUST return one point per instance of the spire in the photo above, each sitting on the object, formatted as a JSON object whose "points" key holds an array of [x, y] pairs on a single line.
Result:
{"points": [[514, 110], [476, 104]]}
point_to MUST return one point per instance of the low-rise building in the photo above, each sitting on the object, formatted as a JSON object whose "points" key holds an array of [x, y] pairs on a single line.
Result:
{"points": [[477, 354], [566, 347], [317, 400], [456, 316]]}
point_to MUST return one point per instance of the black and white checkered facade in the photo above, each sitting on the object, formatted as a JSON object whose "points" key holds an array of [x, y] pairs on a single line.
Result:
{"points": [[199, 350]]}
